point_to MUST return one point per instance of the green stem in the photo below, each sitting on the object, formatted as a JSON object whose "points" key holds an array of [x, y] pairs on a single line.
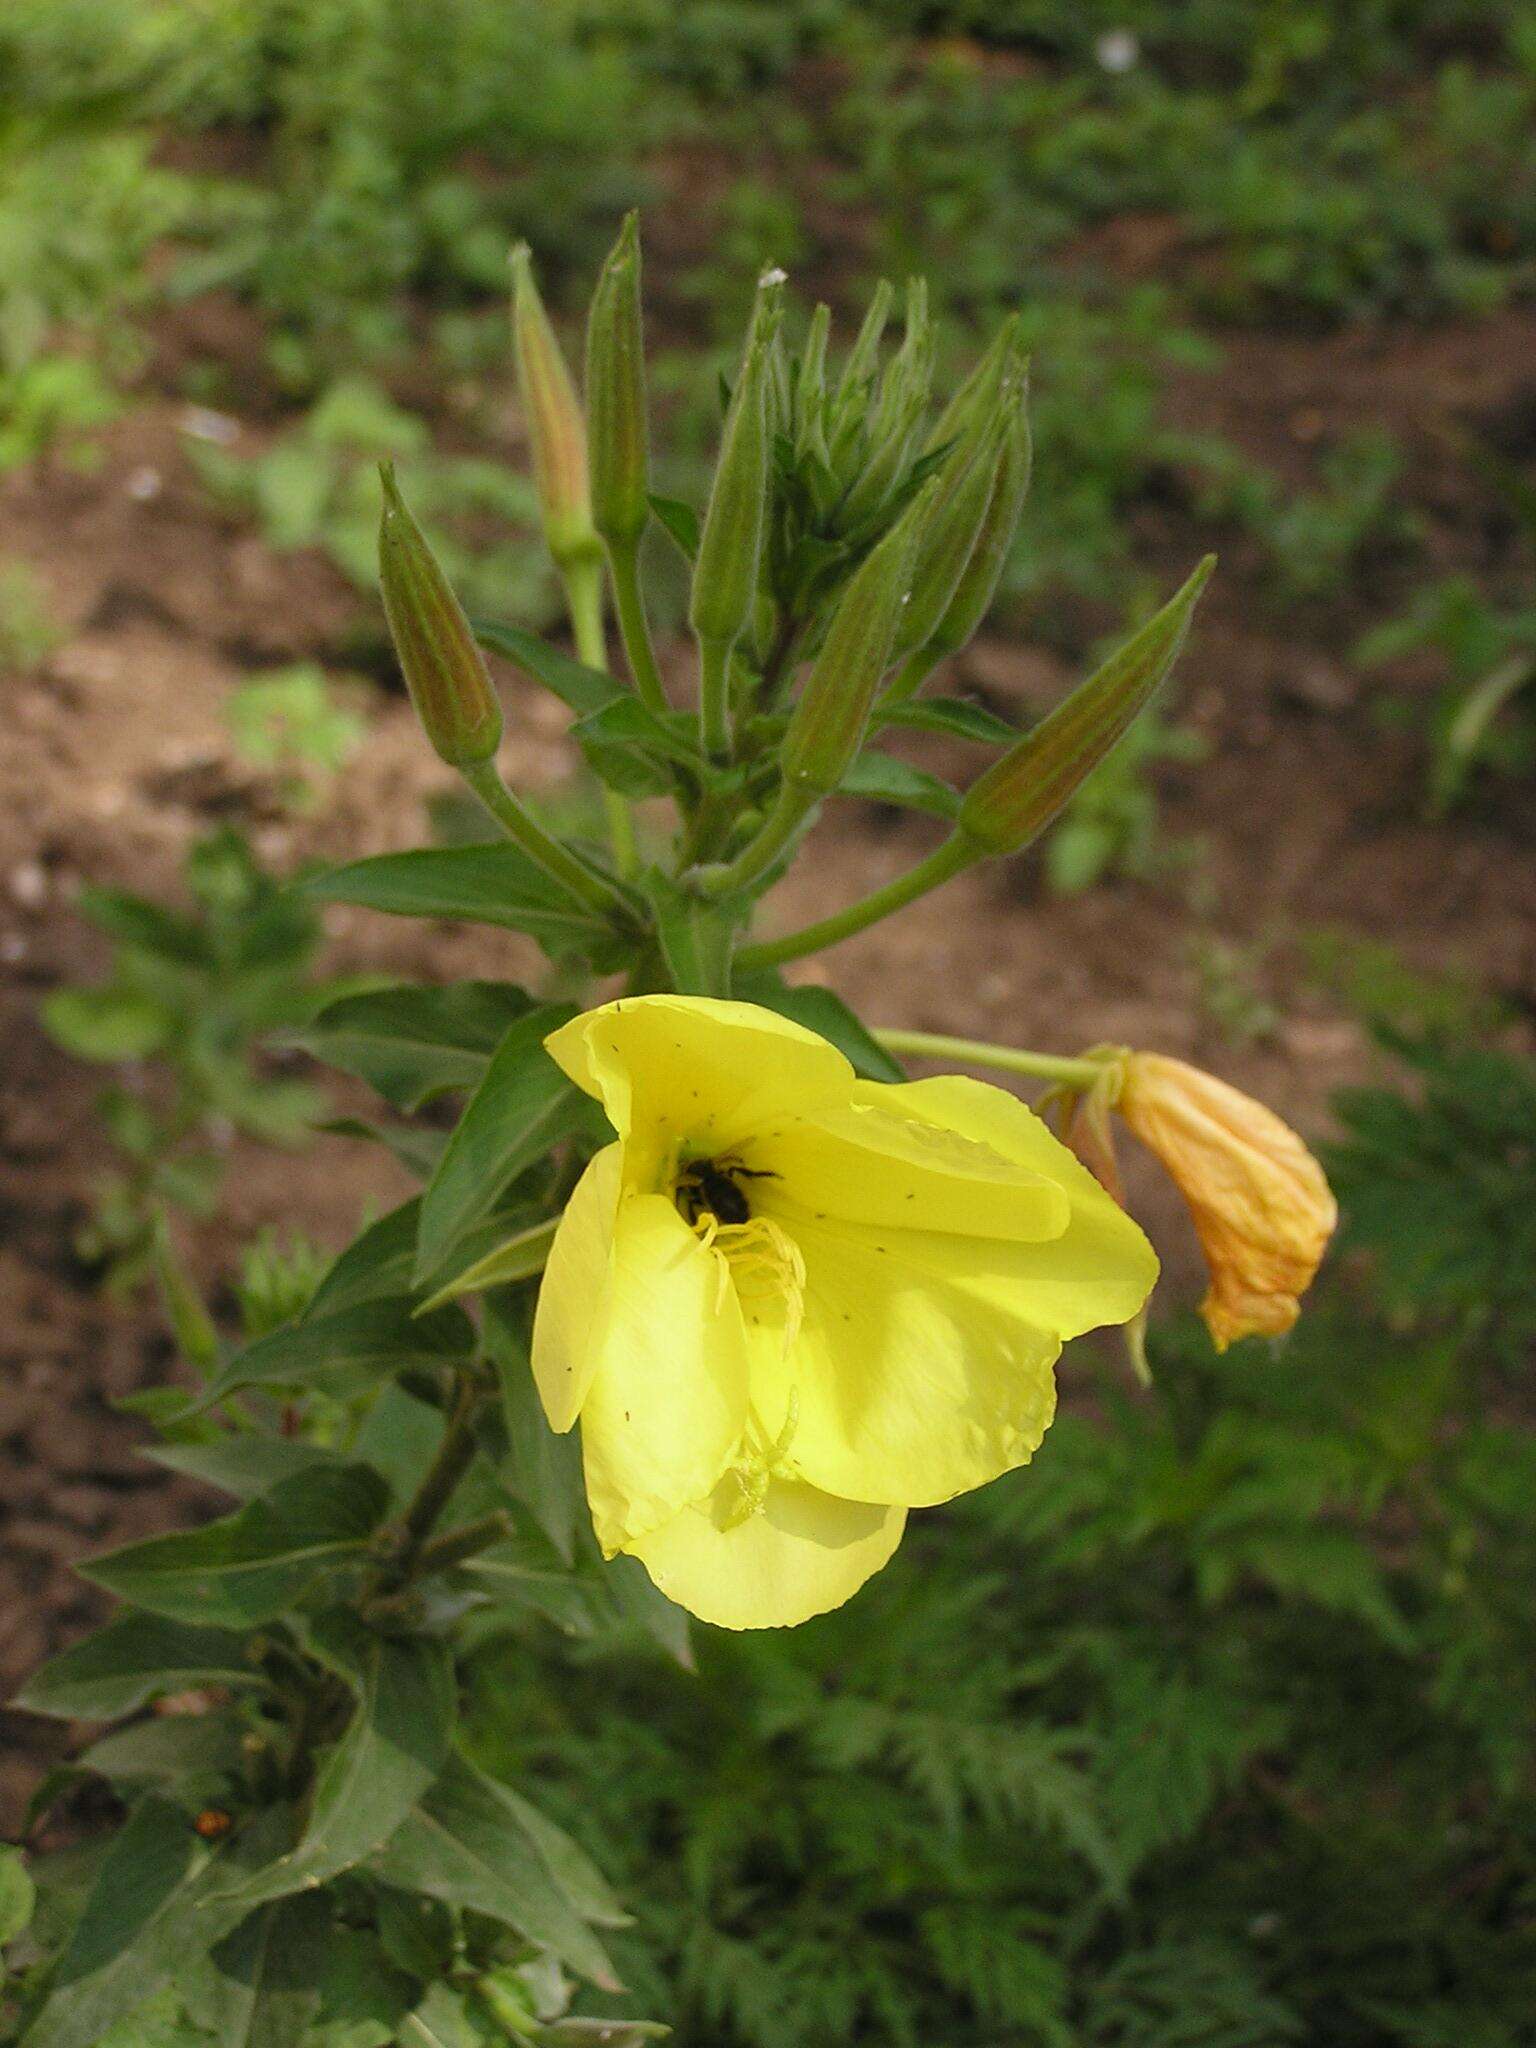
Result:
{"points": [[584, 601], [944, 862], [978, 1052], [714, 698], [634, 627], [758, 855], [458, 1544], [453, 1459], [557, 861]]}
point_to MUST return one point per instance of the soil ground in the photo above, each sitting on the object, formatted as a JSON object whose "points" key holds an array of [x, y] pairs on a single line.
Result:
{"points": [[1305, 813]]}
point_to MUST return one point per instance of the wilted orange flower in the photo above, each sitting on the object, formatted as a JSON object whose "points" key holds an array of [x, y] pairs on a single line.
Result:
{"points": [[1260, 1202]]}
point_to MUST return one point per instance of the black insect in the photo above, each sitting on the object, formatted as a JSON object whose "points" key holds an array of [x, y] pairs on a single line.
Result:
{"points": [[704, 1186]]}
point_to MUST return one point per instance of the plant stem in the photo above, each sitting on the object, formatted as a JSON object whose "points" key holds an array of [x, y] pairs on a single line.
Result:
{"points": [[458, 1544], [584, 601], [634, 626], [454, 1456], [714, 698], [956, 853], [758, 855], [557, 861], [1008, 1059]]}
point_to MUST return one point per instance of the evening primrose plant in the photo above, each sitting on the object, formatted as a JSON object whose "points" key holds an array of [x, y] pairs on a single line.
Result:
{"points": [[700, 1296]]}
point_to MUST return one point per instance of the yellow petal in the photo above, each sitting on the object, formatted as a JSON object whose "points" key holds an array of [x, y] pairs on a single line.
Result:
{"points": [[802, 1553], [874, 1162], [667, 1401], [690, 1069], [573, 1295], [907, 1385]]}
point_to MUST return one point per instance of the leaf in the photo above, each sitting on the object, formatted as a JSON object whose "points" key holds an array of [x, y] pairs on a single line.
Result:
{"points": [[441, 2021], [467, 1845], [394, 1747], [540, 1469], [417, 1151], [244, 1464], [491, 884], [18, 1894], [380, 1262], [248, 1567], [884, 779], [956, 716], [136, 1927], [146, 927], [106, 1023], [584, 689], [523, 1105], [696, 937], [266, 1993], [627, 746], [680, 520], [196, 1754], [133, 1660], [819, 1010], [412, 1043], [570, 1866], [346, 1353]]}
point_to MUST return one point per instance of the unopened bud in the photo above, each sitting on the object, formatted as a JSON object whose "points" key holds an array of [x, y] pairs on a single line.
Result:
{"points": [[827, 726], [949, 539], [1019, 795], [443, 667], [980, 388], [616, 411], [555, 425], [731, 542], [859, 365], [973, 594]]}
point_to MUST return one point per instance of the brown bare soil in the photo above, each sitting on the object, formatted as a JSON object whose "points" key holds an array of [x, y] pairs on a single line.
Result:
{"points": [[1305, 813]]}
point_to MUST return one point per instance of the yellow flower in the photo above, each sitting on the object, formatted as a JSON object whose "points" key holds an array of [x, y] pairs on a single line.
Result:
{"points": [[788, 1305], [1260, 1202]]}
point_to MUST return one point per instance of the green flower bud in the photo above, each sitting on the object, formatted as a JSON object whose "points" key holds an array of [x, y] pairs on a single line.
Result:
{"points": [[555, 425], [859, 367], [949, 539], [616, 410], [973, 594], [827, 726], [1019, 795], [443, 667], [731, 542], [980, 388]]}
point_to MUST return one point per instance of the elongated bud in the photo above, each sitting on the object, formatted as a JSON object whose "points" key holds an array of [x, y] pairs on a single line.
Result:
{"points": [[859, 366], [974, 592], [980, 387], [444, 669], [949, 539], [619, 440], [731, 543], [827, 726], [1018, 796], [555, 425]]}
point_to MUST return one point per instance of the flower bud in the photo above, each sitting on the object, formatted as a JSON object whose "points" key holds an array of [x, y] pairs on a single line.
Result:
{"points": [[1260, 1202], [555, 425], [949, 539], [976, 394], [859, 365], [1019, 795], [616, 411], [973, 594], [828, 722], [731, 542], [443, 667]]}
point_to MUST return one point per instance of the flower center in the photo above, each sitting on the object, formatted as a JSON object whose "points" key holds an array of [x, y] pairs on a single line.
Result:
{"points": [[712, 1188]]}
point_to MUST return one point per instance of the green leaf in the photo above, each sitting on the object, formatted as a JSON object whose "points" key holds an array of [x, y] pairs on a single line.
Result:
{"points": [[417, 1151], [194, 1755], [394, 1748], [525, 1253], [106, 1023], [539, 1469], [680, 520], [441, 2021], [884, 779], [133, 1660], [819, 1010], [146, 927], [380, 1262], [627, 746], [955, 716], [245, 1464], [584, 689], [248, 1567], [467, 1844], [18, 1894], [492, 884], [415, 1933], [411, 1043], [523, 1105], [266, 1995], [696, 936], [346, 1353]]}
